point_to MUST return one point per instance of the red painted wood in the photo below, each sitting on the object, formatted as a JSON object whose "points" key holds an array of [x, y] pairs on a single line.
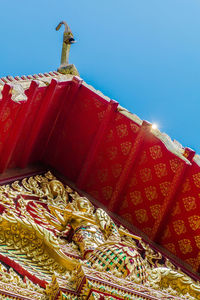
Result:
{"points": [[19, 122], [8, 111], [87, 166], [132, 158], [167, 205], [39, 120], [52, 142]]}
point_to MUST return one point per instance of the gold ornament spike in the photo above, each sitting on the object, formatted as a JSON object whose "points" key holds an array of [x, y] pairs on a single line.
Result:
{"points": [[68, 39]]}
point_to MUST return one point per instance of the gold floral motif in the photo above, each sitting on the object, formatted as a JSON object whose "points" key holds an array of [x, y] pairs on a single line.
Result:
{"points": [[134, 127], [122, 130], [186, 187], [101, 115], [197, 240], [193, 262], [110, 136], [136, 197], [151, 193], [145, 174], [189, 203], [170, 247], [179, 227], [112, 152], [196, 178], [143, 158], [126, 147], [176, 209], [107, 192], [185, 246], [194, 222], [118, 117], [174, 164], [116, 170], [161, 170], [141, 215], [155, 210], [103, 175], [155, 152], [164, 187]]}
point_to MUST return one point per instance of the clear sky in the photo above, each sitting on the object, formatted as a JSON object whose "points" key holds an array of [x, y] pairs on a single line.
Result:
{"points": [[143, 53]]}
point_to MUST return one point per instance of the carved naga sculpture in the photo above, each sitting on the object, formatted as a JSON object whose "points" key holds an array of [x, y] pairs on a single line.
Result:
{"points": [[68, 39]]}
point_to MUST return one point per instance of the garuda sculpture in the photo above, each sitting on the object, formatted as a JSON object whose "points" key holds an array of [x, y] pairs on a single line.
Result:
{"points": [[51, 230]]}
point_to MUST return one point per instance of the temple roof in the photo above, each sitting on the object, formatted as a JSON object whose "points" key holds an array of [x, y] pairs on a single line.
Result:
{"points": [[136, 171]]}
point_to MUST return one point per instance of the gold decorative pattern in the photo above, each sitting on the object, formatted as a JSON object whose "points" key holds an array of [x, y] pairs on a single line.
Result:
{"points": [[164, 187], [179, 227], [151, 193], [155, 210], [197, 240], [170, 247], [155, 152], [194, 222], [112, 152], [193, 262], [145, 174], [122, 130], [186, 187], [141, 215], [185, 246], [126, 147], [101, 115], [196, 178], [174, 164], [160, 170], [110, 136], [189, 203], [136, 197], [107, 192], [134, 127]]}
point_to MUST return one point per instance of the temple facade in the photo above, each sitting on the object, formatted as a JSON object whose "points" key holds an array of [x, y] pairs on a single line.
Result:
{"points": [[95, 203]]}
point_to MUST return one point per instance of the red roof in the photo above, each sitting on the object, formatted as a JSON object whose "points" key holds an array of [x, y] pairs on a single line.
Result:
{"points": [[136, 171]]}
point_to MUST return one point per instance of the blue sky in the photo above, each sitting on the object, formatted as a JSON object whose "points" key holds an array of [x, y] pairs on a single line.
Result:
{"points": [[143, 53]]}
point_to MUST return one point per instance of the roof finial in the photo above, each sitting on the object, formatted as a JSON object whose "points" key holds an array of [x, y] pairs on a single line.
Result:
{"points": [[68, 39]]}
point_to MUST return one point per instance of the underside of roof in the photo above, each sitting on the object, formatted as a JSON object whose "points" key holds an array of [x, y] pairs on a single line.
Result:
{"points": [[136, 171]]}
